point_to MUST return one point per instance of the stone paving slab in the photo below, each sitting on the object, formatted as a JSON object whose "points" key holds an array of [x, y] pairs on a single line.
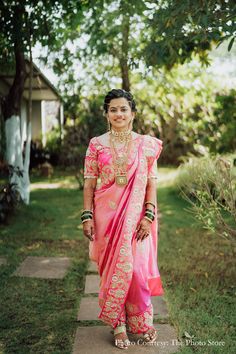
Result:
{"points": [[159, 307], [92, 284], [89, 308], [92, 267], [3, 261], [43, 267], [100, 340]]}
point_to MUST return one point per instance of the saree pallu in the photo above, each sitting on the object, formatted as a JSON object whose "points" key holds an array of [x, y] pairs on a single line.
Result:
{"points": [[128, 269]]}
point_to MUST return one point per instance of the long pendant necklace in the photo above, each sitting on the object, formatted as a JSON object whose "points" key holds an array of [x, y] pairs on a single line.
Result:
{"points": [[121, 161]]}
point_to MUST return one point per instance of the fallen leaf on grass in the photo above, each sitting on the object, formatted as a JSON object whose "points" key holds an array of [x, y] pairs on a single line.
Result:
{"points": [[187, 335], [193, 289]]}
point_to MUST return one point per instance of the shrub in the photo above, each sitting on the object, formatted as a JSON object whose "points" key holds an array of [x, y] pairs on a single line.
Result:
{"points": [[9, 195], [53, 145], [208, 184]]}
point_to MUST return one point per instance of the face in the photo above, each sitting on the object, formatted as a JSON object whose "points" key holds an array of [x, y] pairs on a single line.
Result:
{"points": [[120, 114]]}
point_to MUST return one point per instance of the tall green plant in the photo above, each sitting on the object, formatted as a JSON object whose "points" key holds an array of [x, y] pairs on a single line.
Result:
{"points": [[209, 185], [9, 195]]}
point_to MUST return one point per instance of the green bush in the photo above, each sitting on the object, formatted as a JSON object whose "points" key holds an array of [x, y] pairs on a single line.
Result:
{"points": [[225, 124], [209, 185], [188, 109], [9, 195], [53, 141], [83, 120]]}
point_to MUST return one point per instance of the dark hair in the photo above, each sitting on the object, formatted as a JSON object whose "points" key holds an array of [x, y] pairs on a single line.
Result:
{"points": [[117, 93]]}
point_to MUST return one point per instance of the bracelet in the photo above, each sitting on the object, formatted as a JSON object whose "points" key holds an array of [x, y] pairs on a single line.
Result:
{"points": [[150, 210], [151, 216], [146, 217], [86, 220], [87, 212], [86, 216], [151, 203], [83, 220]]}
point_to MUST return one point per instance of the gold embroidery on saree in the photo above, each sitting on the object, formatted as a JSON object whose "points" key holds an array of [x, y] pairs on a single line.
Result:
{"points": [[140, 322], [112, 204], [124, 264]]}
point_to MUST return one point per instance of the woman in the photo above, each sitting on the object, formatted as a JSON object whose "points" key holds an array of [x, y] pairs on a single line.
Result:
{"points": [[120, 220]]}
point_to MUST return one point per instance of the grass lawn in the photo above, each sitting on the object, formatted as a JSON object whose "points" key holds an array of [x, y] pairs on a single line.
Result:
{"points": [[39, 315], [198, 272]]}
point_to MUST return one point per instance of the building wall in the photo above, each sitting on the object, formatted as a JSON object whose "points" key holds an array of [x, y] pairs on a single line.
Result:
{"points": [[2, 142], [45, 116], [36, 120]]}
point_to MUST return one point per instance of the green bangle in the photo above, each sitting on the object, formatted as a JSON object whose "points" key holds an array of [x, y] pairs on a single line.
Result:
{"points": [[149, 217], [150, 214], [90, 215], [86, 217], [151, 211], [146, 217], [87, 211], [86, 214]]}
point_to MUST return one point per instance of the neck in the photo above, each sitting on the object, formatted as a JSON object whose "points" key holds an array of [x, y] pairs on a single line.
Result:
{"points": [[118, 130]]}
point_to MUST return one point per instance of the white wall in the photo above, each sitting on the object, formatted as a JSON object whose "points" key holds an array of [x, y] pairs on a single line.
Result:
{"points": [[36, 120]]}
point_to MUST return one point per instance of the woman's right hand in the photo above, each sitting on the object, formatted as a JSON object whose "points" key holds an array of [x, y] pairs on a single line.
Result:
{"points": [[88, 229]]}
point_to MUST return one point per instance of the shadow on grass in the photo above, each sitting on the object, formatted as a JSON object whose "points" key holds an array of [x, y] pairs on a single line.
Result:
{"points": [[39, 315]]}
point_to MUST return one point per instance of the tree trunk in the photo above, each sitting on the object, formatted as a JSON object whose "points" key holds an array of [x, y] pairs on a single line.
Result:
{"points": [[14, 155], [12, 102], [11, 111], [125, 74], [124, 52]]}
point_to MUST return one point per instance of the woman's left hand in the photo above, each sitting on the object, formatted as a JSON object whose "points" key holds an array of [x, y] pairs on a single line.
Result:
{"points": [[143, 229]]}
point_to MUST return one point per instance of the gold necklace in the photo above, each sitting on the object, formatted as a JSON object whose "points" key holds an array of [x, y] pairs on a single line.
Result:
{"points": [[123, 136], [120, 162]]}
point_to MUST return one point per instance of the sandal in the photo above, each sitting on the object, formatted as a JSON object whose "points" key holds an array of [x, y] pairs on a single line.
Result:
{"points": [[150, 337], [119, 342]]}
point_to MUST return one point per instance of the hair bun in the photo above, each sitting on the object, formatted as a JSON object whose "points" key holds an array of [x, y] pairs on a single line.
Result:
{"points": [[118, 93]]}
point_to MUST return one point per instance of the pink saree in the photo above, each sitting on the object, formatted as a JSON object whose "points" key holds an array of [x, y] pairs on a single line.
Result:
{"points": [[128, 269]]}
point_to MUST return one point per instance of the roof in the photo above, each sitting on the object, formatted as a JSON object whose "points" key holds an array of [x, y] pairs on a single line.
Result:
{"points": [[42, 88]]}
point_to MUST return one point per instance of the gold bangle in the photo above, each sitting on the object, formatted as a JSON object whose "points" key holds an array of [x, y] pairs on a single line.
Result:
{"points": [[146, 217], [86, 220], [86, 211], [151, 203]]}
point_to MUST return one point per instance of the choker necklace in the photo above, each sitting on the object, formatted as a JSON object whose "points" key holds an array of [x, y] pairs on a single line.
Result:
{"points": [[122, 136]]}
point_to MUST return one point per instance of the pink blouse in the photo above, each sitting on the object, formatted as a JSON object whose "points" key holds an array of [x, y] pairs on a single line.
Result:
{"points": [[98, 158]]}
